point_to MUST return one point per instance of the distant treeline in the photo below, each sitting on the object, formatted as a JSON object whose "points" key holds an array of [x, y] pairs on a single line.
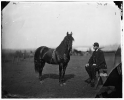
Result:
{"points": [[109, 51]]}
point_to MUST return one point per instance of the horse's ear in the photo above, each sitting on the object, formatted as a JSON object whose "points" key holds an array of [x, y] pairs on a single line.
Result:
{"points": [[71, 33], [67, 34]]}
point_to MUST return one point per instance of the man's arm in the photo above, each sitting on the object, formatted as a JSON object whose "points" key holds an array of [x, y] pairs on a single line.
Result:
{"points": [[101, 59], [91, 59]]}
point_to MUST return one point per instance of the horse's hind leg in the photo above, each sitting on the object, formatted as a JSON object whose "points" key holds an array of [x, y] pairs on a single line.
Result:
{"points": [[40, 71]]}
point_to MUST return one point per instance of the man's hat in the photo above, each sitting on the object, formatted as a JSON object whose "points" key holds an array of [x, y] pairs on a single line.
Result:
{"points": [[96, 44]]}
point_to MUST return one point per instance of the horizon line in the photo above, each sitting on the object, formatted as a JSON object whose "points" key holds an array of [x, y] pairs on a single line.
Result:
{"points": [[55, 47]]}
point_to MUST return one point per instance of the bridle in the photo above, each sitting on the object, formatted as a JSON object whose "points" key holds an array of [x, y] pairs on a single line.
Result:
{"points": [[69, 44]]}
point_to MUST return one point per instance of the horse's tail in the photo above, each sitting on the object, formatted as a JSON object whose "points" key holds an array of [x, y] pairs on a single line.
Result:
{"points": [[37, 62]]}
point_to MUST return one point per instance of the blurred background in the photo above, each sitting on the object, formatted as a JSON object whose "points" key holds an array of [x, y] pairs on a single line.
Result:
{"points": [[28, 25]]}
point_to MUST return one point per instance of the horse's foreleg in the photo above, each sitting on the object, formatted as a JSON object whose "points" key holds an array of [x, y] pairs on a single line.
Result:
{"points": [[60, 73], [63, 74]]}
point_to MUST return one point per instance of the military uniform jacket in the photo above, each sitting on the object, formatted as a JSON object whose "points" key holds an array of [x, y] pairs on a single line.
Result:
{"points": [[98, 59]]}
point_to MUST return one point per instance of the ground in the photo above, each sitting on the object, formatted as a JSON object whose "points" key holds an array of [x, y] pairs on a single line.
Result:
{"points": [[21, 79]]}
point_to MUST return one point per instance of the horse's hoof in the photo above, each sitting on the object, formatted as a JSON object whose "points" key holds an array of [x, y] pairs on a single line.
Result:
{"points": [[41, 82], [64, 83]]}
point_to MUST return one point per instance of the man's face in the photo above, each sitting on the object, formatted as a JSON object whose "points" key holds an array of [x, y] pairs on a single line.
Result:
{"points": [[95, 47]]}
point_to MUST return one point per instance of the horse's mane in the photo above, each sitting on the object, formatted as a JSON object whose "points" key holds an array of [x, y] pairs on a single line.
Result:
{"points": [[62, 48]]}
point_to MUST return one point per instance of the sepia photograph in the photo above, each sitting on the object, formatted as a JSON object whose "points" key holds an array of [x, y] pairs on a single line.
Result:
{"points": [[61, 49]]}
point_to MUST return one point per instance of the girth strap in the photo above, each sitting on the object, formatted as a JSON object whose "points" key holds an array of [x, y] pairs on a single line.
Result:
{"points": [[54, 56]]}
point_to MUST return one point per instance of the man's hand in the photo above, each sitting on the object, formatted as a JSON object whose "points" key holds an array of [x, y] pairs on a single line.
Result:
{"points": [[94, 64], [87, 65]]}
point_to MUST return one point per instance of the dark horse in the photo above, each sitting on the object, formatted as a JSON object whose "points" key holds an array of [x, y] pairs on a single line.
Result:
{"points": [[60, 56]]}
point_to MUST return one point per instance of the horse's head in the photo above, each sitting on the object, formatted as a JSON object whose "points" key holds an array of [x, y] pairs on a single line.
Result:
{"points": [[66, 45], [70, 40]]}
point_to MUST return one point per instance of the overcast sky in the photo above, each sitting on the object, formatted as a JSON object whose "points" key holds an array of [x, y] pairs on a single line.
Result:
{"points": [[30, 25]]}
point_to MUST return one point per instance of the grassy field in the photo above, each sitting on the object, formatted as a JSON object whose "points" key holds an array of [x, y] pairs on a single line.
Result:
{"points": [[21, 79]]}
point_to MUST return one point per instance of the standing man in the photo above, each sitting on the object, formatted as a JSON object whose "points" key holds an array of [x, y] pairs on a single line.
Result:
{"points": [[96, 62]]}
